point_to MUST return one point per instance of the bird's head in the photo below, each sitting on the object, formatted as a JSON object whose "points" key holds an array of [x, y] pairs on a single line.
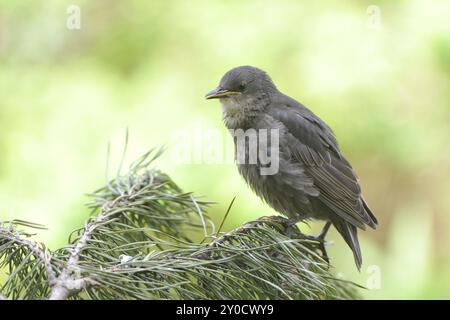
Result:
{"points": [[242, 83], [244, 92]]}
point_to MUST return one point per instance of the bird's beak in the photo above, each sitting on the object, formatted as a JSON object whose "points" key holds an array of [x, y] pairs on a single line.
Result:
{"points": [[220, 93]]}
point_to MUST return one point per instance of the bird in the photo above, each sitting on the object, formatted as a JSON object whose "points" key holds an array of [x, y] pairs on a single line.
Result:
{"points": [[313, 181]]}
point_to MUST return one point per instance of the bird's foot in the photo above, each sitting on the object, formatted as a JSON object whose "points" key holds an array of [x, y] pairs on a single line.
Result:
{"points": [[320, 238], [276, 218], [289, 224], [320, 245]]}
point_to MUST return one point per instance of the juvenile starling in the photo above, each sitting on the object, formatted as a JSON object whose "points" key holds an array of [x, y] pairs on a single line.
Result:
{"points": [[313, 180]]}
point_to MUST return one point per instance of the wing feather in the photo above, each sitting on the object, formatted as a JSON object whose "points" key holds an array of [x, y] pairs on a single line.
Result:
{"points": [[314, 145]]}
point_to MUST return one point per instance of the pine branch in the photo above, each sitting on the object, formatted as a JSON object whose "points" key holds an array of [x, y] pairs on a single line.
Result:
{"points": [[22, 256], [140, 243]]}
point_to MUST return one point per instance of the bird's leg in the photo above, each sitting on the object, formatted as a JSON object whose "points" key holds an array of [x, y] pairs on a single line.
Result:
{"points": [[324, 231], [321, 239]]}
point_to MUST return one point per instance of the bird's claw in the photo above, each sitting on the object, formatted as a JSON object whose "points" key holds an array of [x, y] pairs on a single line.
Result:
{"points": [[320, 239]]}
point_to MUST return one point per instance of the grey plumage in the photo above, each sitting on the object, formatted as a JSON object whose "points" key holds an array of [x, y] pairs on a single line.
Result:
{"points": [[314, 180]]}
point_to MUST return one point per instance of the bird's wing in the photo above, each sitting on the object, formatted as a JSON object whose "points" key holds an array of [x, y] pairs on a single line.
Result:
{"points": [[313, 144]]}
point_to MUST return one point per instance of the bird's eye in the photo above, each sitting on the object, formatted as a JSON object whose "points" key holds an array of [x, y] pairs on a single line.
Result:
{"points": [[242, 86]]}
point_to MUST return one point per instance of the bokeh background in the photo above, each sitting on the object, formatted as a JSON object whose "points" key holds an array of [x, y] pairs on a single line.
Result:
{"points": [[383, 85]]}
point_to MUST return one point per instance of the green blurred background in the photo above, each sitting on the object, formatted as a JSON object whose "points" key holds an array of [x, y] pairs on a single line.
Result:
{"points": [[146, 65]]}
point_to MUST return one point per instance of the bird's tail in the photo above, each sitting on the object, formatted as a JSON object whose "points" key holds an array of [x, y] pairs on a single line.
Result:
{"points": [[350, 235]]}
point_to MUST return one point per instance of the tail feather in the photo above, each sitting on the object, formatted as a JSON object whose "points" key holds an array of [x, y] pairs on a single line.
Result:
{"points": [[350, 235], [373, 220]]}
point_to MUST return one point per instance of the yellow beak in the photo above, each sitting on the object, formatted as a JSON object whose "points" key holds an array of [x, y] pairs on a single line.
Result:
{"points": [[219, 92]]}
